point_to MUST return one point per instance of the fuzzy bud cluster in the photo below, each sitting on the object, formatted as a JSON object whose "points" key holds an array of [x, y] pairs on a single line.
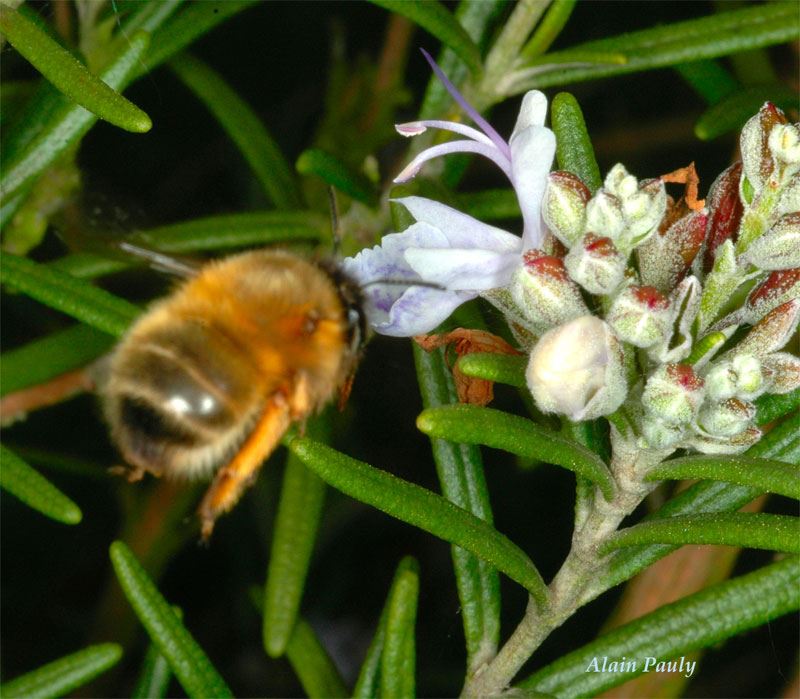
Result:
{"points": [[670, 314]]}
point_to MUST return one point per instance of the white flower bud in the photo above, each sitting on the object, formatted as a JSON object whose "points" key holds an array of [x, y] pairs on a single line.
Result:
{"points": [[596, 264], [640, 315], [783, 372], [726, 419], [577, 370], [708, 444], [673, 394], [784, 143], [740, 376], [779, 248], [543, 291], [564, 206], [604, 215], [658, 434]]}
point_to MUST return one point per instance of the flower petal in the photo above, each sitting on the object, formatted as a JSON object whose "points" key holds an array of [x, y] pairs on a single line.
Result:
{"points": [[415, 128], [532, 112], [460, 230], [418, 310], [410, 170], [532, 152], [460, 269]]}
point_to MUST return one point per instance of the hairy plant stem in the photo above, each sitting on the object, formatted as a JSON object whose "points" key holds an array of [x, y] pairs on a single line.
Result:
{"points": [[581, 568]]}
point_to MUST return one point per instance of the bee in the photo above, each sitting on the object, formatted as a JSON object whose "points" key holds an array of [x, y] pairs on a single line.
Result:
{"points": [[209, 379]]}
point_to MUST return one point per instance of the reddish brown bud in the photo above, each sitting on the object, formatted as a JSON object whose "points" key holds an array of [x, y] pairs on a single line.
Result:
{"points": [[779, 287], [725, 212]]}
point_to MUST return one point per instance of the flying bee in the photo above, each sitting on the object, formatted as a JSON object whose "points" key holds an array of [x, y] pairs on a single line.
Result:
{"points": [[210, 378]]}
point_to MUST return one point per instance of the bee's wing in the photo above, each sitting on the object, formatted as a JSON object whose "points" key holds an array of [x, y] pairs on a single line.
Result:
{"points": [[160, 261], [91, 223]]}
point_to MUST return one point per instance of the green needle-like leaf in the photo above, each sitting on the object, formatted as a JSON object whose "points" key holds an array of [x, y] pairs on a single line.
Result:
{"points": [[767, 475], [434, 18], [193, 21], [420, 508], [69, 295], [334, 172], [252, 228], [369, 676], [698, 621], [62, 676], [709, 78], [66, 123], [188, 661], [212, 233], [574, 150], [50, 356], [771, 406], [720, 34], [749, 529], [549, 28], [733, 111], [398, 661], [153, 682], [296, 525], [243, 126], [501, 368], [474, 425], [313, 665], [35, 490], [68, 74], [461, 477]]}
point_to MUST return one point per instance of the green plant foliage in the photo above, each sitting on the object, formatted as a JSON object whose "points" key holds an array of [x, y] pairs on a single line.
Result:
{"points": [[46, 358], [76, 298], [296, 525], [765, 474], [155, 676], [420, 508], [460, 471], [500, 368], [334, 172], [750, 529], [717, 35], [573, 148], [432, 16], [317, 673], [192, 22], [69, 75], [188, 661], [398, 658], [493, 428], [243, 126], [64, 123], [732, 111], [698, 621], [22, 481], [62, 676]]}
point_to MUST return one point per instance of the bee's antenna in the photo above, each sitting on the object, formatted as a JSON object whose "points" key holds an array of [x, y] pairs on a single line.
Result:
{"points": [[335, 232]]}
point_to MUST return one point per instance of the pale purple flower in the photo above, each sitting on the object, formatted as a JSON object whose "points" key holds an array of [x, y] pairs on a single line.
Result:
{"points": [[452, 256]]}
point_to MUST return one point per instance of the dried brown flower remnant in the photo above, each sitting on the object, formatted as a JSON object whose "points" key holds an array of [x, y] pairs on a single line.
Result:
{"points": [[687, 176], [464, 341]]}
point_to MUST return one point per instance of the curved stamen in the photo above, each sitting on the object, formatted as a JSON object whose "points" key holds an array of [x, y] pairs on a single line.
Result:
{"points": [[454, 147], [414, 128], [467, 107]]}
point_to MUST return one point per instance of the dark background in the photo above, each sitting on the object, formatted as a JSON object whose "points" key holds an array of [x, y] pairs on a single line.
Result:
{"points": [[58, 591]]}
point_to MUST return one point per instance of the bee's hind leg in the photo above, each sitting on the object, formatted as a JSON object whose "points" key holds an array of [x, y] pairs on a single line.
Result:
{"points": [[232, 479]]}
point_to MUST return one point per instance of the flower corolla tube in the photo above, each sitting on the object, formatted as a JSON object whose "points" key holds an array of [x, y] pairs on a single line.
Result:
{"points": [[451, 255]]}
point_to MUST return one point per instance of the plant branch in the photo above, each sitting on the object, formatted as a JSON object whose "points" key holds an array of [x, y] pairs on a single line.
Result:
{"points": [[582, 566]]}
